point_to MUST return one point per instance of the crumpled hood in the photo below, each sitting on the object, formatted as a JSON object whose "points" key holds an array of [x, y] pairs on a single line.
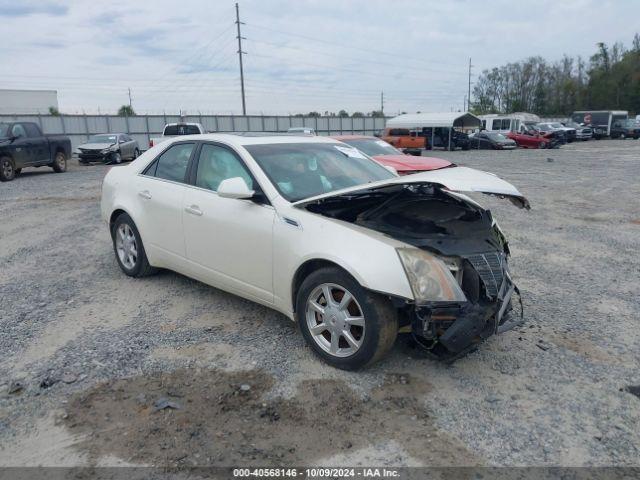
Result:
{"points": [[455, 179], [95, 146], [412, 163]]}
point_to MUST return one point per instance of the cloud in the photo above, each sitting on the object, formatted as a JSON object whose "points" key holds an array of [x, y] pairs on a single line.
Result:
{"points": [[9, 8], [302, 54]]}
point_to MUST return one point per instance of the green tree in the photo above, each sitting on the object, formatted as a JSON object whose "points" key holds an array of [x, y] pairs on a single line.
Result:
{"points": [[357, 115], [54, 111], [343, 114], [313, 114], [377, 113], [126, 111]]}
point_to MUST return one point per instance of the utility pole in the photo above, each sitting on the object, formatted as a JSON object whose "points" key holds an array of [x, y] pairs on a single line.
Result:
{"points": [[240, 53], [130, 106], [469, 91], [382, 103]]}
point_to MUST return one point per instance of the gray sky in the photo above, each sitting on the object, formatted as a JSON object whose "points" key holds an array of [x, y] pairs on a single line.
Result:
{"points": [[303, 55]]}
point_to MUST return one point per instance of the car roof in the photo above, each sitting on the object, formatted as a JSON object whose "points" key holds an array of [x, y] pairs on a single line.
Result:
{"points": [[353, 137], [241, 140]]}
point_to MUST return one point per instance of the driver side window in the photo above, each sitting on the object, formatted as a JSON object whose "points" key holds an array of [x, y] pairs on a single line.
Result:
{"points": [[18, 131], [216, 164]]}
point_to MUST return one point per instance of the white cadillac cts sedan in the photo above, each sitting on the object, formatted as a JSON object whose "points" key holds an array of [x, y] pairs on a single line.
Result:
{"points": [[322, 233]]}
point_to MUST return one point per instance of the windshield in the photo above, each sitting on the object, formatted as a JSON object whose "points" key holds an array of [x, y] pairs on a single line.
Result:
{"points": [[4, 129], [498, 137], [303, 170], [629, 123], [556, 125], [372, 146], [103, 139], [181, 130]]}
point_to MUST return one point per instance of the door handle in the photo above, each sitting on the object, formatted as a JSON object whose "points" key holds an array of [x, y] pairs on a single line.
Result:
{"points": [[145, 194], [193, 210]]}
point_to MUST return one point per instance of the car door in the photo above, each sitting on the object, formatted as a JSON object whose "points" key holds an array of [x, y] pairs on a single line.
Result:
{"points": [[39, 145], [23, 154], [160, 190], [229, 242]]}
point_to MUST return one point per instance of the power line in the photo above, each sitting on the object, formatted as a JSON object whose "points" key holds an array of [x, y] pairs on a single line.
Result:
{"points": [[240, 53], [367, 50]]}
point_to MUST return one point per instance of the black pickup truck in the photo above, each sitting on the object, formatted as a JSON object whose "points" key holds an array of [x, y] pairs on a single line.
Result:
{"points": [[22, 144]]}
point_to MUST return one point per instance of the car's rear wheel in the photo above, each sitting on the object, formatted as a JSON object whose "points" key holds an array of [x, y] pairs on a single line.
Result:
{"points": [[59, 164], [7, 169], [136, 153], [127, 245], [623, 136], [346, 325]]}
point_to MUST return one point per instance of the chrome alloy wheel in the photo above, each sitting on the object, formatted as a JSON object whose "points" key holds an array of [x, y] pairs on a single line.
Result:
{"points": [[335, 320], [126, 246]]}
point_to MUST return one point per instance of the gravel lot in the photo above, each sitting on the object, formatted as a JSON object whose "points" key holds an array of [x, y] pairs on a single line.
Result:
{"points": [[168, 371]]}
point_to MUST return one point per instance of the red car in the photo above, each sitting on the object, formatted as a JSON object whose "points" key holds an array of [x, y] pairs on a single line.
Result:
{"points": [[389, 156], [526, 140]]}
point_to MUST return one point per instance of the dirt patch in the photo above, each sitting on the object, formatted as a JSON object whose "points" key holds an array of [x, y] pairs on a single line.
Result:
{"points": [[212, 417]]}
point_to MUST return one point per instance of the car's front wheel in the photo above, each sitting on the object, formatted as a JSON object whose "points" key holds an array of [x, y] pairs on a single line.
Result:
{"points": [[346, 325], [136, 153], [116, 158], [127, 245]]}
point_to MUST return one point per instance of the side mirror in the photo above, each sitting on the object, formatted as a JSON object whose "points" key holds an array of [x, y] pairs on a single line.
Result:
{"points": [[236, 188]]}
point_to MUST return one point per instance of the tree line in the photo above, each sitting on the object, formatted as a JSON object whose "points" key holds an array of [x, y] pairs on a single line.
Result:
{"points": [[609, 80]]}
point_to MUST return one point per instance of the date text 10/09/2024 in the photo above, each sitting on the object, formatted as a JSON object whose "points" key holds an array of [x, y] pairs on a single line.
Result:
{"points": [[361, 472]]}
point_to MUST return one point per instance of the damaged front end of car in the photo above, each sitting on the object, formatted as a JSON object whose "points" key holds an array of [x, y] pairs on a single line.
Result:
{"points": [[456, 261]]}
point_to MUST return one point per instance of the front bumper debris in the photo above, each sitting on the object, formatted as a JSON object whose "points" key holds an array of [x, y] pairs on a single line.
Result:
{"points": [[448, 330]]}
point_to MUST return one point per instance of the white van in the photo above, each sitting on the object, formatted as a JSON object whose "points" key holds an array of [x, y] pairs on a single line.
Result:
{"points": [[509, 122]]}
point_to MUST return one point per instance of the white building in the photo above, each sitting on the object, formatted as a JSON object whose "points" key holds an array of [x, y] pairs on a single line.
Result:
{"points": [[27, 101]]}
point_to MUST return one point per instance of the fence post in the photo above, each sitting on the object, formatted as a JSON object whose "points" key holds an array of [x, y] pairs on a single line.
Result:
{"points": [[86, 126], [262, 122], [233, 123], [64, 127], [215, 117], [146, 121], [126, 121]]}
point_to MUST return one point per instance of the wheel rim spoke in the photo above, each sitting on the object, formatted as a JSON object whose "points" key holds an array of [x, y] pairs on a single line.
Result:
{"points": [[326, 290], [317, 307], [355, 321], [335, 339], [318, 329], [346, 334]]}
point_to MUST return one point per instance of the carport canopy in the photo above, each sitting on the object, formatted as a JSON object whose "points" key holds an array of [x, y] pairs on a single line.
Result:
{"points": [[432, 120]]}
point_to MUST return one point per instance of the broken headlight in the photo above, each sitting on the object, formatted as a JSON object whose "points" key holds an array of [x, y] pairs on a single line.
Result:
{"points": [[429, 277]]}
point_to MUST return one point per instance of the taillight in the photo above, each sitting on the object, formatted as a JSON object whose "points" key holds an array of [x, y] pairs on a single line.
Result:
{"points": [[150, 143]]}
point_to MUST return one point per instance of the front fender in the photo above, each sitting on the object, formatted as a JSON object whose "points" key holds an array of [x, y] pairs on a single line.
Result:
{"points": [[370, 257]]}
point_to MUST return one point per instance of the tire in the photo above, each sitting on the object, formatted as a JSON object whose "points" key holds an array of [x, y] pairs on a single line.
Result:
{"points": [[369, 342], [623, 136], [542, 145], [136, 154], [7, 169], [116, 158], [59, 164], [124, 235]]}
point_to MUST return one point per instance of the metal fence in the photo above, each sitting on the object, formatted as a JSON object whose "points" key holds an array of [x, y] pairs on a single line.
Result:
{"points": [[142, 127]]}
